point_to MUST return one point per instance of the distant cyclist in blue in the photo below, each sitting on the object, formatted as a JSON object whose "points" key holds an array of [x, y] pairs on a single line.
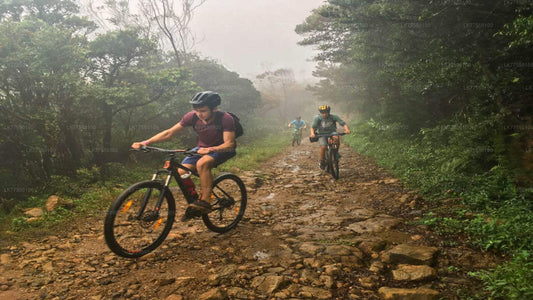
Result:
{"points": [[298, 123]]}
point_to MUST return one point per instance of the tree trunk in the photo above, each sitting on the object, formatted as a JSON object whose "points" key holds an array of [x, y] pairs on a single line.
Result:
{"points": [[104, 153]]}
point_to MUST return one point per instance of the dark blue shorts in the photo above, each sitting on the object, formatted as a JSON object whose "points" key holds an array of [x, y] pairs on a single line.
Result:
{"points": [[219, 157]]}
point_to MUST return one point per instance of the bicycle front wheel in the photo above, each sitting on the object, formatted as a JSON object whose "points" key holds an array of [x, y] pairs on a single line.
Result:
{"points": [[140, 219], [229, 194], [334, 163], [328, 160]]}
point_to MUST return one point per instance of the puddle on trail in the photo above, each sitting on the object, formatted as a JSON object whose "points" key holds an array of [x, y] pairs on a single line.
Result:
{"points": [[260, 255]]}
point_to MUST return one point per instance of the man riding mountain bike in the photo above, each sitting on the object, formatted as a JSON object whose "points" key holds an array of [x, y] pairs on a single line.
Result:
{"points": [[298, 125], [216, 145], [325, 123]]}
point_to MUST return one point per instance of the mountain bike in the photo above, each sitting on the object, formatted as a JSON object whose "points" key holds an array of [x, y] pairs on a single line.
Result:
{"points": [[297, 136], [141, 217], [332, 153]]}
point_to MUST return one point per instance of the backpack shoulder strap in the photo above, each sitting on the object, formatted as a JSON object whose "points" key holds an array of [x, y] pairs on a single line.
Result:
{"points": [[218, 119], [194, 120]]}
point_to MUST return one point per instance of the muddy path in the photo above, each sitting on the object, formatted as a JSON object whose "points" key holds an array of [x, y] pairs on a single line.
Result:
{"points": [[304, 235]]}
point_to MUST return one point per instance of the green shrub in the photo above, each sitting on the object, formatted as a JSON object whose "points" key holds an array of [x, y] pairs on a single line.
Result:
{"points": [[509, 228], [511, 280], [468, 162], [19, 223]]}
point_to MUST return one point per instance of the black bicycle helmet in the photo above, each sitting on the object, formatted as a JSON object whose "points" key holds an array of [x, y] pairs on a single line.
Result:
{"points": [[206, 98], [324, 108]]}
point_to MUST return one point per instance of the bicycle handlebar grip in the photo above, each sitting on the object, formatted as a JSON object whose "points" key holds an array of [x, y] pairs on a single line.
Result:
{"points": [[142, 148]]}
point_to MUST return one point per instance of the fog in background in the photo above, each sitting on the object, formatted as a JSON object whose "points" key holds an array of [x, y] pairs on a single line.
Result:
{"points": [[255, 39], [251, 37]]}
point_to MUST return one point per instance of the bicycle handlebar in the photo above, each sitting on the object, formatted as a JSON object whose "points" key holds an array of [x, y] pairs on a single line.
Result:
{"points": [[189, 152], [315, 139], [330, 134]]}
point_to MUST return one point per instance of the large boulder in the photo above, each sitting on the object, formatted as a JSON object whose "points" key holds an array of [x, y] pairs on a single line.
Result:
{"points": [[53, 202], [411, 254], [35, 212], [411, 273]]}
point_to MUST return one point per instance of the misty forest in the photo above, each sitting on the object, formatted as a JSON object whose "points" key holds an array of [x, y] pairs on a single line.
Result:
{"points": [[437, 93]]}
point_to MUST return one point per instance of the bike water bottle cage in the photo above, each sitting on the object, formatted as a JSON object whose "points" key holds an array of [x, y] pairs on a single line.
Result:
{"points": [[207, 98], [186, 175]]}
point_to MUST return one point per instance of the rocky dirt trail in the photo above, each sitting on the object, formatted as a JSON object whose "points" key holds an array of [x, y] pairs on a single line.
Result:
{"points": [[304, 236]]}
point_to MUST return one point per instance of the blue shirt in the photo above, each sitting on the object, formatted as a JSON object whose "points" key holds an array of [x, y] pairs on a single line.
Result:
{"points": [[298, 124]]}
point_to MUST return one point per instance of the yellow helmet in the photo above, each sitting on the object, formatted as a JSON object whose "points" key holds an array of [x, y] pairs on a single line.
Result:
{"points": [[324, 108]]}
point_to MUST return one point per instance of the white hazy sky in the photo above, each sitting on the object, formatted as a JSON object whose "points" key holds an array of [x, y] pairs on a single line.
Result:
{"points": [[247, 35]]}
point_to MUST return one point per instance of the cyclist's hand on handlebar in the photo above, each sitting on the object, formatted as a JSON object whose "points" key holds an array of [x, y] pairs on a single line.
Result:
{"points": [[203, 151], [347, 132], [136, 145]]}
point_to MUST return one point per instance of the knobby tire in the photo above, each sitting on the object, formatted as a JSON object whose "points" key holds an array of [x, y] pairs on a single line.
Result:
{"points": [[132, 227], [328, 161], [229, 194], [334, 163]]}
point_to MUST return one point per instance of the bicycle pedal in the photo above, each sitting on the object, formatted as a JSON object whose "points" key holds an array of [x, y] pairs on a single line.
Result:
{"points": [[190, 213]]}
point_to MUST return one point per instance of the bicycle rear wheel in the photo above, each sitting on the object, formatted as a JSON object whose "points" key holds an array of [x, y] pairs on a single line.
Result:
{"points": [[135, 224], [334, 163], [229, 194]]}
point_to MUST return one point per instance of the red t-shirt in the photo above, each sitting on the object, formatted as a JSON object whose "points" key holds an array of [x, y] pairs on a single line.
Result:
{"points": [[208, 134]]}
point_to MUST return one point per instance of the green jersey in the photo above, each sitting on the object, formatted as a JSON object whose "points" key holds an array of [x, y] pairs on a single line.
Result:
{"points": [[326, 125]]}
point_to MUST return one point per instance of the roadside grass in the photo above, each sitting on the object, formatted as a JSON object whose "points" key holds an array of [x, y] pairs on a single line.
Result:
{"points": [[92, 196], [252, 156], [445, 165]]}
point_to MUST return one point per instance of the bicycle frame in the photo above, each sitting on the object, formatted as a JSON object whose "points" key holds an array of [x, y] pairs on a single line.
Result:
{"points": [[297, 135], [332, 145], [170, 168]]}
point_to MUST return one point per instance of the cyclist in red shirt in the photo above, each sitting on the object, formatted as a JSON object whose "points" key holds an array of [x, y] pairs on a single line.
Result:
{"points": [[216, 145]]}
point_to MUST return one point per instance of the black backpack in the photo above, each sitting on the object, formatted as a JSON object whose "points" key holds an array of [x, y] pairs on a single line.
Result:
{"points": [[218, 122]]}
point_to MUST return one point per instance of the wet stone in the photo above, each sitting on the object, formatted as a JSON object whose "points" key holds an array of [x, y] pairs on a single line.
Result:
{"points": [[266, 285], [310, 248], [412, 254], [412, 273], [377, 224], [5, 259], [408, 294], [237, 293], [314, 293], [338, 250], [35, 212], [214, 294]]}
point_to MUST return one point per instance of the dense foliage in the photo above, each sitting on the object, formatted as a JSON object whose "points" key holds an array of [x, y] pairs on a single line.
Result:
{"points": [[443, 90], [73, 96]]}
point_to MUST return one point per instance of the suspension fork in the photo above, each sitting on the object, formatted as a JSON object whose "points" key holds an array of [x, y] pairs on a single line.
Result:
{"points": [[149, 194]]}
